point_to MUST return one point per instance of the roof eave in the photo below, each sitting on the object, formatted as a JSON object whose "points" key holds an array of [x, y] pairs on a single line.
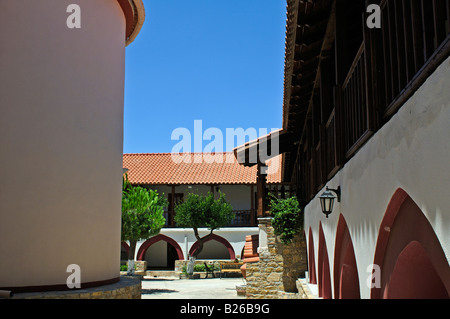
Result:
{"points": [[139, 18]]}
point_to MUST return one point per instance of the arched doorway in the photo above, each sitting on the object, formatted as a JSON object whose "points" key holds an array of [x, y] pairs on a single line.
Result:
{"points": [[311, 259], [324, 267], [124, 249], [413, 263], [346, 280], [215, 247], [160, 251]]}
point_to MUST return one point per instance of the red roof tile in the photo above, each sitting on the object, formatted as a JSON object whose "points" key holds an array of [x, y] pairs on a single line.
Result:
{"points": [[162, 169]]}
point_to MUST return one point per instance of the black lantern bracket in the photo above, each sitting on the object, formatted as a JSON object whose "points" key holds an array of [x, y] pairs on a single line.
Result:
{"points": [[327, 200], [337, 191]]}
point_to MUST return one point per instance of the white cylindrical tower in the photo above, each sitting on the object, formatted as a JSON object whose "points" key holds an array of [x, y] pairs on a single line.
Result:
{"points": [[62, 71]]}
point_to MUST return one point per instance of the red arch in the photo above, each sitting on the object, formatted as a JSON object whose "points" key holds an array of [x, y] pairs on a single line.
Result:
{"points": [[419, 282], [153, 240], [346, 279], [311, 259], [324, 267], [220, 240], [125, 246], [406, 232]]}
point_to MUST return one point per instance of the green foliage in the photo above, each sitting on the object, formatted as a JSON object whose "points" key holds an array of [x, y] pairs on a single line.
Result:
{"points": [[125, 267], [203, 211], [142, 212], [200, 268], [287, 218]]}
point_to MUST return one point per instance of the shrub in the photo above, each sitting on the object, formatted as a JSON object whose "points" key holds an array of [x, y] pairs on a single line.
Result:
{"points": [[200, 268], [287, 218], [142, 215]]}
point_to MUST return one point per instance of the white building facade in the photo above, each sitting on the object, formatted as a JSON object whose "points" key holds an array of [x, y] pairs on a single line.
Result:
{"points": [[176, 180]]}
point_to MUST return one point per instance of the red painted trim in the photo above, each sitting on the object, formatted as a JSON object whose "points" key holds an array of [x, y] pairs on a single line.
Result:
{"points": [[129, 16], [125, 246], [324, 267], [311, 259], [346, 279], [404, 223], [220, 240], [414, 276], [394, 206], [153, 240], [62, 287]]}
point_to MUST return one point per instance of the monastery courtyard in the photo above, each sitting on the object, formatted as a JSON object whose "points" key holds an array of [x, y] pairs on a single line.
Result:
{"points": [[172, 288]]}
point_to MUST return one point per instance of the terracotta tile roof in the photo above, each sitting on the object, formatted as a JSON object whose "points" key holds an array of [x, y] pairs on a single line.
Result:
{"points": [[161, 169]]}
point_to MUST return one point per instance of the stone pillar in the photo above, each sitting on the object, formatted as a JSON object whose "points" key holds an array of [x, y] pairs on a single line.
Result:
{"points": [[279, 265]]}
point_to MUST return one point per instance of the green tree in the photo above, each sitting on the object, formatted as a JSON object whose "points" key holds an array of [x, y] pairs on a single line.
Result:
{"points": [[287, 218], [203, 211], [142, 216]]}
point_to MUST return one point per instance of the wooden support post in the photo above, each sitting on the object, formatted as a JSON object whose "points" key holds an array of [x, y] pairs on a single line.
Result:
{"points": [[172, 205], [261, 189], [252, 206]]}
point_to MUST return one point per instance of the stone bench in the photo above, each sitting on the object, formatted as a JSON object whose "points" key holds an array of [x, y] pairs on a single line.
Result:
{"points": [[226, 268]]}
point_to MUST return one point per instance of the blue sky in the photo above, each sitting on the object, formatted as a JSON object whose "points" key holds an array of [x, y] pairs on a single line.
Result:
{"points": [[221, 62]]}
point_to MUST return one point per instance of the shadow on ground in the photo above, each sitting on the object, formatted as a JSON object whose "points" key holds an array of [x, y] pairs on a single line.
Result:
{"points": [[158, 279], [157, 291]]}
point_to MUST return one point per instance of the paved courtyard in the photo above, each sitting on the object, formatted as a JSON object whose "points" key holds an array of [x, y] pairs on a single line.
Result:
{"points": [[214, 288]]}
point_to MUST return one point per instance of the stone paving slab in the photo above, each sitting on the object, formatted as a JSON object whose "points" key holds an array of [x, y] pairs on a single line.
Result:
{"points": [[169, 288]]}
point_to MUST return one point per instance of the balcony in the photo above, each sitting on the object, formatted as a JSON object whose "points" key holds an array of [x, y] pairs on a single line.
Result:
{"points": [[244, 218]]}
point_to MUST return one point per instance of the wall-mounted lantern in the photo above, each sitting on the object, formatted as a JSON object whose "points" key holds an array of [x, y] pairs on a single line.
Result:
{"points": [[327, 200]]}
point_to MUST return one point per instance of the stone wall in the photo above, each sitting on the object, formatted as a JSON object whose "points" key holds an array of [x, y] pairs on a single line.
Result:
{"points": [[279, 267]]}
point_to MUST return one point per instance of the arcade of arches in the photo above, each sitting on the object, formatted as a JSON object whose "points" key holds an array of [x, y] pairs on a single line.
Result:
{"points": [[411, 259], [412, 262], [161, 251]]}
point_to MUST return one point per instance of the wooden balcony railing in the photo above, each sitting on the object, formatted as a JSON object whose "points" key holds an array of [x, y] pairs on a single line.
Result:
{"points": [[355, 105], [331, 160], [389, 66], [412, 31], [244, 218]]}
